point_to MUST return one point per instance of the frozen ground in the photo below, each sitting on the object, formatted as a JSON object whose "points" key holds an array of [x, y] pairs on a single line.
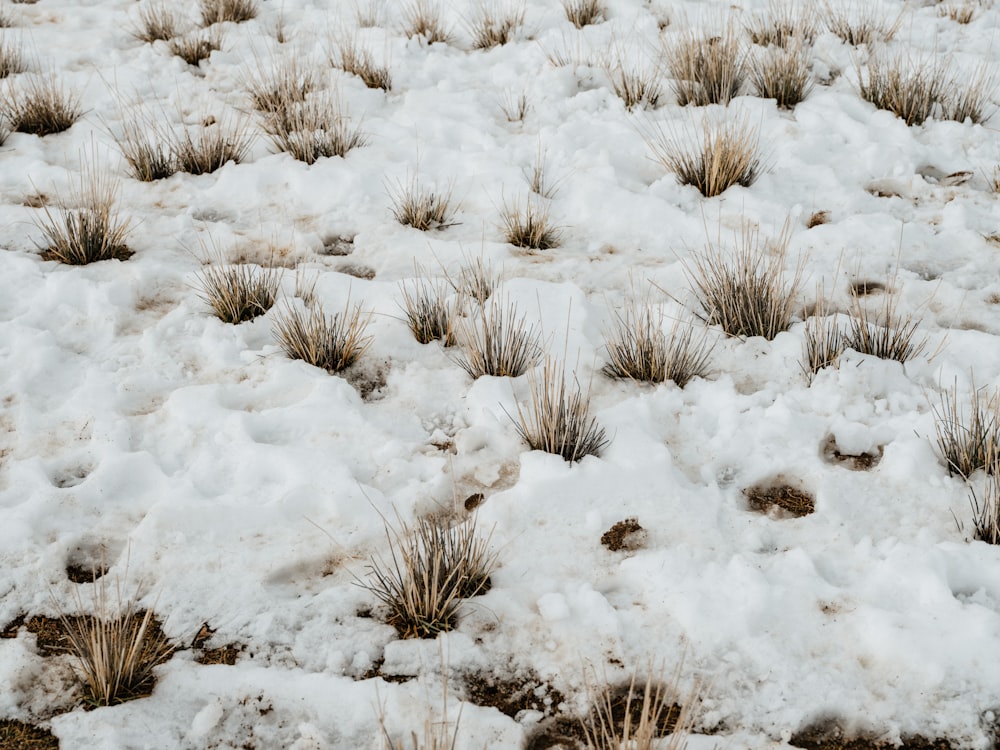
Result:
{"points": [[245, 490]]}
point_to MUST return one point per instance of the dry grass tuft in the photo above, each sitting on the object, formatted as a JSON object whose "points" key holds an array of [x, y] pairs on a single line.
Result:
{"points": [[40, 105], [782, 74], [750, 293], [432, 568], [314, 128], [276, 86], [157, 21], [87, 227], [495, 22], [528, 224], [7, 20], [477, 280], [639, 714], [238, 293], [558, 420], [638, 348], [907, 86], [498, 343], [885, 334], [824, 339], [430, 314], [968, 437], [986, 508], [12, 59], [222, 11], [368, 14], [333, 343], [147, 155], [514, 105], [197, 46], [959, 12], [993, 179], [116, 650], [584, 12], [785, 21], [859, 22], [727, 153], [351, 57], [206, 148], [969, 97], [634, 83], [421, 207], [423, 18], [538, 177], [707, 69]]}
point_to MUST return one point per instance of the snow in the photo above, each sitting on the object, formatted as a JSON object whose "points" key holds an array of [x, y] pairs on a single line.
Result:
{"points": [[238, 488]]}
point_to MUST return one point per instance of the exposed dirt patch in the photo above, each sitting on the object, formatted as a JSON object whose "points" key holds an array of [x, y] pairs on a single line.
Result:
{"points": [[854, 462], [227, 654], [780, 498], [818, 218], [375, 670], [369, 378], [474, 500], [36, 200], [16, 735], [81, 573], [52, 633], [357, 271], [560, 732], [624, 535], [829, 736], [511, 693], [338, 246], [862, 288]]}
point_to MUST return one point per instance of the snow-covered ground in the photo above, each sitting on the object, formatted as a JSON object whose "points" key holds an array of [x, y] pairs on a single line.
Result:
{"points": [[247, 491]]}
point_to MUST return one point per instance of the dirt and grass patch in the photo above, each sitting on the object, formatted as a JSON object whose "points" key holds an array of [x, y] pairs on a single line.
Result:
{"points": [[780, 499]]}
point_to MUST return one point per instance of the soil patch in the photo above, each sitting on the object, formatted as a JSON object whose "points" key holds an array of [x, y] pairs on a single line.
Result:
{"points": [[784, 497], [626, 534], [16, 735], [826, 736], [511, 694], [854, 462]]}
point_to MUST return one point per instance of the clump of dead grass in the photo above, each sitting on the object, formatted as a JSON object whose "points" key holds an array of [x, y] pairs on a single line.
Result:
{"points": [[223, 11], [784, 21], [431, 568], [905, 85], [276, 85], [725, 153], [430, 312], [969, 97], [423, 19], [824, 339], [959, 12], [748, 292], [528, 224], [421, 207], [156, 21], [40, 104], [87, 227], [352, 57], [859, 22], [986, 507], [558, 418], [706, 68], [495, 22], [206, 148], [315, 128], [115, 650], [331, 342], [635, 83], [240, 292], [476, 279], [782, 74], [498, 342], [582, 13], [884, 332], [639, 349], [12, 59], [198, 45], [968, 435]]}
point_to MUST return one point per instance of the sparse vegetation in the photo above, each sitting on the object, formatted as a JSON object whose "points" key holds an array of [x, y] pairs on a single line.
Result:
{"points": [[421, 207], [968, 437], [859, 22], [11, 57], [908, 87], [725, 153], [824, 341], [969, 97], [639, 349], [986, 508], [584, 12], [116, 649], [156, 21], [785, 21], [749, 293], [782, 74], [495, 22], [707, 69], [430, 314], [558, 419], [431, 568], [635, 84], [886, 333], [206, 148], [514, 105], [198, 45], [538, 177], [350, 56], [498, 343], [333, 343], [528, 224], [238, 293], [87, 227], [223, 11], [423, 18], [40, 105], [314, 128], [959, 12], [276, 86], [17, 735], [476, 279]]}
